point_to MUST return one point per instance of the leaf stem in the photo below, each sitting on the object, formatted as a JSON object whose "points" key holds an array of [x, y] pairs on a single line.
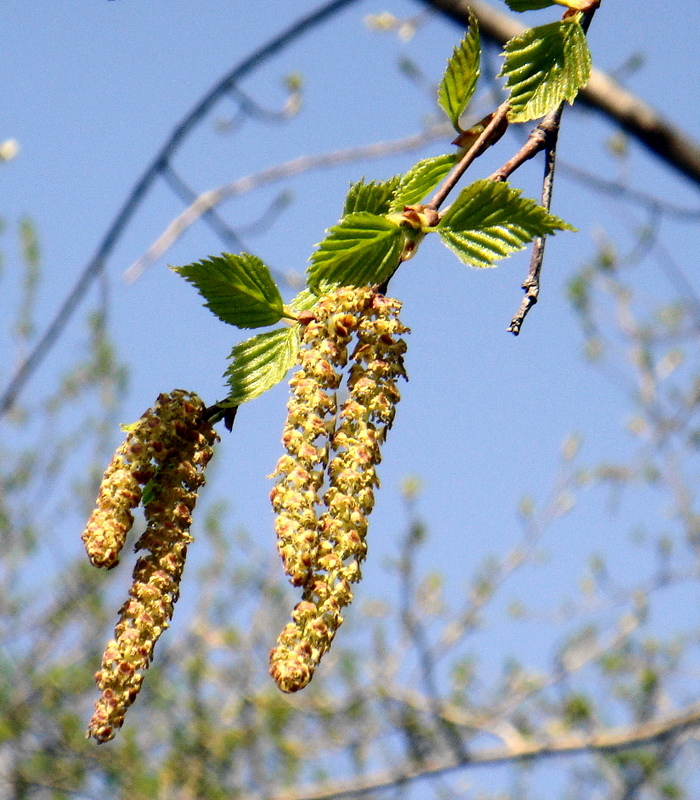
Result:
{"points": [[216, 413], [488, 136], [288, 316], [539, 139]]}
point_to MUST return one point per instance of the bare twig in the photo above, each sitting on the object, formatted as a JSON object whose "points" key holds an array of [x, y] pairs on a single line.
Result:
{"points": [[493, 718], [253, 109], [492, 131], [416, 632], [550, 132], [619, 189], [545, 136], [209, 200], [610, 741], [97, 263], [187, 195]]}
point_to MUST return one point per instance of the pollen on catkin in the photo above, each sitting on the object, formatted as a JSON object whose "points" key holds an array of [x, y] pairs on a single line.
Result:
{"points": [[340, 545], [179, 441], [120, 492], [147, 444], [310, 420]]}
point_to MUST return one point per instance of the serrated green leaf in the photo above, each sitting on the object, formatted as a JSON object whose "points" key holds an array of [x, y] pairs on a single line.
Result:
{"points": [[304, 301], [371, 197], [421, 180], [259, 363], [362, 250], [491, 220], [544, 66], [237, 288], [528, 5], [459, 81]]}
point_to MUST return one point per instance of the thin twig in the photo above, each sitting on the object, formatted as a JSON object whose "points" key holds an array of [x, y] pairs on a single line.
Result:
{"points": [[610, 741], [270, 214], [416, 632], [491, 132], [545, 136], [210, 199], [254, 110], [531, 284], [97, 263], [217, 223], [541, 137], [628, 193]]}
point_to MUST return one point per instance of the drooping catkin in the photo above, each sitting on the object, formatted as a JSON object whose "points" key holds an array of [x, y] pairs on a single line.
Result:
{"points": [[363, 420], [120, 492], [148, 442], [310, 419], [175, 447]]}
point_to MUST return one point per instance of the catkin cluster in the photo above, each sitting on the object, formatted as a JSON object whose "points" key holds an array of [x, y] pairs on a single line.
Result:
{"points": [[323, 552], [168, 450]]}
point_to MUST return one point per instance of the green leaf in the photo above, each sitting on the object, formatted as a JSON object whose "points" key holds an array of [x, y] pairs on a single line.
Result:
{"points": [[528, 5], [490, 220], [237, 288], [304, 301], [362, 250], [544, 66], [459, 81], [421, 180], [371, 197], [259, 363], [149, 492]]}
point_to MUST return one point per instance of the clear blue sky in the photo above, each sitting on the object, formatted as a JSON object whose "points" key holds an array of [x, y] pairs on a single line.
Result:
{"points": [[91, 89]]}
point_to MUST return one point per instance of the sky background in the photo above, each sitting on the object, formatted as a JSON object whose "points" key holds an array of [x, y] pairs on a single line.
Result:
{"points": [[90, 91]]}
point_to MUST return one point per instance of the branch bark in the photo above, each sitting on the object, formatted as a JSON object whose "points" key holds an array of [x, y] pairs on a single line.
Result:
{"points": [[602, 93], [609, 741]]}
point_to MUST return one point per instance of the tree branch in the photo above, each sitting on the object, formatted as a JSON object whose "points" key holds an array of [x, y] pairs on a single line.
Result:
{"points": [[616, 188], [188, 195], [491, 132], [549, 128], [609, 741], [602, 93]]}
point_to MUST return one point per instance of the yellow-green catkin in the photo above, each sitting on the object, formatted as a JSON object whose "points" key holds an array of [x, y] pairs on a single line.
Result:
{"points": [[148, 443], [310, 420], [120, 492], [179, 441], [363, 420]]}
